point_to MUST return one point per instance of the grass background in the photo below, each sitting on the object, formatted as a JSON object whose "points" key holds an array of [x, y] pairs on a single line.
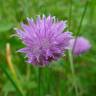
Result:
{"points": [[58, 80]]}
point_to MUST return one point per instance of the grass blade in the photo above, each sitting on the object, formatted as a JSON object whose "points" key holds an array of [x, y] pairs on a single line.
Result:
{"points": [[20, 92]]}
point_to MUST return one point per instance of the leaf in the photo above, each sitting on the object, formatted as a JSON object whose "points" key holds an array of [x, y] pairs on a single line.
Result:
{"points": [[11, 80]]}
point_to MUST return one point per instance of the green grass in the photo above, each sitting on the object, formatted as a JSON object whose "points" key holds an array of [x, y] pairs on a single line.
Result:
{"points": [[12, 13]]}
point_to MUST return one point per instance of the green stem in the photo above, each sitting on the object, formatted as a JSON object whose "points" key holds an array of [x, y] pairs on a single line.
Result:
{"points": [[82, 18], [73, 72], [39, 81], [57, 84], [48, 79], [28, 72], [80, 24], [70, 13]]}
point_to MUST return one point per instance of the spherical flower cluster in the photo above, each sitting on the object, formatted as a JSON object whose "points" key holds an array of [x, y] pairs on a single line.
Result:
{"points": [[44, 39], [79, 45]]}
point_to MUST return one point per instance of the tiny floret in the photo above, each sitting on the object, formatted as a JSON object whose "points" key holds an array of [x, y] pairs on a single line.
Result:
{"points": [[44, 38], [79, 45]]}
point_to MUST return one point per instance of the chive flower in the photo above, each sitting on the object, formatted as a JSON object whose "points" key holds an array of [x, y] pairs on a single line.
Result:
{"points": [[44, 38], [79, 45]]}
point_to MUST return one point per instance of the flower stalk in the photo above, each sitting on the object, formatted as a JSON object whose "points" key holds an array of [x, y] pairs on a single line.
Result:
{"points": [[39, 81], [73, 72], [81, 21]]}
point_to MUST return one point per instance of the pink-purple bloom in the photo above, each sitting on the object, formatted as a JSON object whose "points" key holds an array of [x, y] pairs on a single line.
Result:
{"points": [[79, 45], [44, 39]]}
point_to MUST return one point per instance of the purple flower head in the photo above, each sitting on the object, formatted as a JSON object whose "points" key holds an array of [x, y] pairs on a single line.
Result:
{"points": [[44, 39], [81, 45]]}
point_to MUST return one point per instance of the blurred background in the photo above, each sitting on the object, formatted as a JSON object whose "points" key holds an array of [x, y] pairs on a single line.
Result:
{"points": [[16, 75]]}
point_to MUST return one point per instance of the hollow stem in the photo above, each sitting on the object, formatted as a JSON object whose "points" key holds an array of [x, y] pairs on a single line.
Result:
{"points": [[39, 81], [73, 72], [80, 24], [70, 13], [48, 79], [28, 71]]}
